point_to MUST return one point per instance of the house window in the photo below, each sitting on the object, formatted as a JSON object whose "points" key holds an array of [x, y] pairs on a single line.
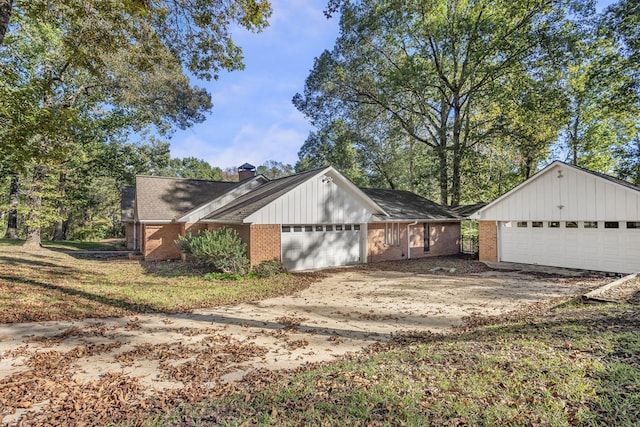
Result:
{"points": [[392, 234], [308, 228], [591, 224], [318, 228], [536, 224], [554, 224], [522, 224], [356, 227], [297, 228], [426, 234], [571, 224], [329, 228], [338, 227], [611, 224], [286, 228], [633, 224], [347, 227]]}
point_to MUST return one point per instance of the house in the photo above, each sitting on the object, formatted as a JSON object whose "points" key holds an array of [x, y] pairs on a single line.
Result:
{"points": [[565, 216], [310, 220]]}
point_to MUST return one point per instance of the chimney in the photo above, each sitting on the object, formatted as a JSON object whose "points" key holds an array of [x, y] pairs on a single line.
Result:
{"points": [[246, 171]]}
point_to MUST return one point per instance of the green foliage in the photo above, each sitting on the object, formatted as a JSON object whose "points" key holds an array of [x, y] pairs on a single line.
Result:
{"points": [[268, 269], [221, 249]]}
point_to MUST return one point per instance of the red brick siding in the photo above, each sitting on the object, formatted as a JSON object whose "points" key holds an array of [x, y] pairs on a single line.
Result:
{"points": [[265, 243], [488, 241], [444, 240], [159, 241]]}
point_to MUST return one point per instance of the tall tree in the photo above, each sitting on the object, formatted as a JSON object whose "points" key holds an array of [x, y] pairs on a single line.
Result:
{"points": [[75, 66], [427, 65]]}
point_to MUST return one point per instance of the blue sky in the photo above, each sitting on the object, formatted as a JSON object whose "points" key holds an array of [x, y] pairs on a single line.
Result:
{"points": [[253, 119]]}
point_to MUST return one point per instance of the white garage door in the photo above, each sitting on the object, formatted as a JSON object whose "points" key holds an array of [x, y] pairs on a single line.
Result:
{"points": [[600, 246], [306, 247]]}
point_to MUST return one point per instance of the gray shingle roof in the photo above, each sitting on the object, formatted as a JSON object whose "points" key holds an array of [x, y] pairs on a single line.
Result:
{"points": [[467, 210], [405, 205], [160, 198], [251, 202], [127, 203]]}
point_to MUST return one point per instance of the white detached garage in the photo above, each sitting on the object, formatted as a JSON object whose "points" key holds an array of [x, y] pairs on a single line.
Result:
{"points": [[565, 216]]}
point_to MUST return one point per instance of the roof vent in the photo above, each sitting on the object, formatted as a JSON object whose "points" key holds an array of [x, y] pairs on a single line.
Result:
{"points": [[246, 171]]}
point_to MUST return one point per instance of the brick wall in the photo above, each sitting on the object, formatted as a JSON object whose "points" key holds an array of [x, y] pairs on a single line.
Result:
{"points": [[262, 240], [265, 243], [488, 241], [444, 240], [159, 241]]}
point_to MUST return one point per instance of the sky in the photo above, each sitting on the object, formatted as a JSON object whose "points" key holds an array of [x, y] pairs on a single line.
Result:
{"points": [[253, 119]]}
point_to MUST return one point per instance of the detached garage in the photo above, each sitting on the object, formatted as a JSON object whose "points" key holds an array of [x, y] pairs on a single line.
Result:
{"points": [[565, 216]]}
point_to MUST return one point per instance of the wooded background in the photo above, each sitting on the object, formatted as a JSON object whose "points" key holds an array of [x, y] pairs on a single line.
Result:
{"points": [[458, 101]]}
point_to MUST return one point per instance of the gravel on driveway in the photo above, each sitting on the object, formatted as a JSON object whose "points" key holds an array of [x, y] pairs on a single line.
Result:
{"points": [[345, 312]]}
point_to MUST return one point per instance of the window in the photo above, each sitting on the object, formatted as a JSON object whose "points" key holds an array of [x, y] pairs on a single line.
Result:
{"points": [[286, 228], [392, 234], [536, 224], [338, 227], [426, 236], [522, 224], [308, 228], [633, 224], [297, 228], [591, 224], [329, 228], [356, 227], [319, 228], [611, 224], [347, 227], [571, 224], [554, 224]]}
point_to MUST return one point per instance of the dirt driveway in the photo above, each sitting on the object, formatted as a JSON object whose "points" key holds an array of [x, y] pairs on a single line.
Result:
{"points": [[345, 312]]}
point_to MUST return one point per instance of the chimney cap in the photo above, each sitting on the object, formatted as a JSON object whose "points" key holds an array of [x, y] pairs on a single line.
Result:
{"points": [[246, 167]]}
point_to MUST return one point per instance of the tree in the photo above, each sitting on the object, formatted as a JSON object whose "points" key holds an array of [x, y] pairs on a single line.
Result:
{"points": [[273, 169], [428, 66], [192, 168], [80, 70]]}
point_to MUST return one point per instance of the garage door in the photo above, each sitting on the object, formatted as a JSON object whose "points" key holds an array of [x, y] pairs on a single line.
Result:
{"points": [[601, 246], [306, 247]]}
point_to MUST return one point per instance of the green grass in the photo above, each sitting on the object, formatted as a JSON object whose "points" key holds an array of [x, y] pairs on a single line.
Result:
{"points": [[52, 285], [574, 365], [67, 245]]}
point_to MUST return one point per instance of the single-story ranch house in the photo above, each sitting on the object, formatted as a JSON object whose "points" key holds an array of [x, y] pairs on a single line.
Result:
{"points": [[565, 216], [309, 220]]}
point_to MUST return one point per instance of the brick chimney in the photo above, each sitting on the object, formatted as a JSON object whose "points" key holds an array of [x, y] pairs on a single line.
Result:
{"points": [[246, 171]]}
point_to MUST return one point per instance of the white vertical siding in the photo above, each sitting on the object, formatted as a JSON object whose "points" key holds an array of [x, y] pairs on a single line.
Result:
{"points": [[584, 197], [314, 202]]}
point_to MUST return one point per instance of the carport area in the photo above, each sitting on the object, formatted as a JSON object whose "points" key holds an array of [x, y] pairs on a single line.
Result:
{"points": [[347, 311]]}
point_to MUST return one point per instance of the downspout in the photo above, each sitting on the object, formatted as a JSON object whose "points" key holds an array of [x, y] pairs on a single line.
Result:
{"points": [[135, 235], [409, 238]]}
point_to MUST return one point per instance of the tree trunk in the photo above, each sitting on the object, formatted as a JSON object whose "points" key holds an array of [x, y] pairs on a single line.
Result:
{"points": [[443, 167], [12, 218], [5, 17], [34, 201], [63, 223]]}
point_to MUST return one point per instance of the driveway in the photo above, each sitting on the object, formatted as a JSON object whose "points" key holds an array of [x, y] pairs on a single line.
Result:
{"points": [[345, 312]]}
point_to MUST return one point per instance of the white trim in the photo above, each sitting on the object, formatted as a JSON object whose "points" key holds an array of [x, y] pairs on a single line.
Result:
{"points": [[335, 175], [158, 221], [195, 215], [479, 214]]}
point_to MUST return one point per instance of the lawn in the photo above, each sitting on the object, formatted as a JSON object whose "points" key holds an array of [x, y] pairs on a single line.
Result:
{"points": [[572, 365], [53, 285]]}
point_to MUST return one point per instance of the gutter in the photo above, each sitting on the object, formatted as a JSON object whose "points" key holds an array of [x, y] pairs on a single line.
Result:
{"points": [[409, 238]]}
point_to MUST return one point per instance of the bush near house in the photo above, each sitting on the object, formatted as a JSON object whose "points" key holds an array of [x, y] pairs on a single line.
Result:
{"points": [[221, 249]]}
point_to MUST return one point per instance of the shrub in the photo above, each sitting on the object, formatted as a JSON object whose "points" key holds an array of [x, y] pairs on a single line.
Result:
{"points": [[268, 268], [221, 249]]}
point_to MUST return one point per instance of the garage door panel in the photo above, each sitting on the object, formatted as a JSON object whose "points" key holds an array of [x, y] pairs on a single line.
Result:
{"points": [[303, 250], [614, 250]]}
